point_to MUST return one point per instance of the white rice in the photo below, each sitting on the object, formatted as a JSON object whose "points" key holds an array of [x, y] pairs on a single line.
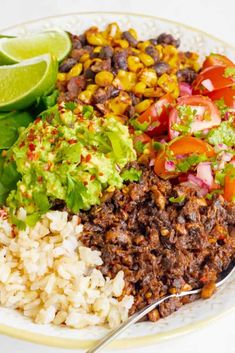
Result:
{"points": [[48, 274]]}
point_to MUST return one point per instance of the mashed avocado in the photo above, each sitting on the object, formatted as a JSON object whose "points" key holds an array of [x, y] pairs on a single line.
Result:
{"points": [[70, 157]]}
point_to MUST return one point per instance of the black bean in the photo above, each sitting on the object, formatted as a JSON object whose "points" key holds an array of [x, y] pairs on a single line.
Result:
{"points": [[67, 64], [82, 39], [114, 92], [120, 60], [129, 37], [186, 75], [106, 52], [76, 44], [100, 96], [135, 100], [161, 68], [150, 50], [168, 39], [89, 74]]}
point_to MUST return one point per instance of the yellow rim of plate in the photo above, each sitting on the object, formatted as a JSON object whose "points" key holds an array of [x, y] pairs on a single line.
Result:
{"points": [[129, 342]]}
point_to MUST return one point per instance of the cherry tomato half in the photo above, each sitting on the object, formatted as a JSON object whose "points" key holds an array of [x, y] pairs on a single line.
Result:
{"points": [[157, 116], [204, 113], [184, 145], [212, 79], [229, 188], [217, 59], [227, 93]]}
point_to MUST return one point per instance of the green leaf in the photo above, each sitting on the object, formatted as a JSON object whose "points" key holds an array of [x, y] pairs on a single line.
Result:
{"points": [[87, 111], [229, 72], [158, 146], [41, 200], [178, 199], [70, 105], [139, 126], [116, 145], [3, 194], [71, 154], [9, 175], [75, 190], [45, 102], [9, 126], [187, 163], [33, 218], [225, 133], [139, 146], [131, 174]]}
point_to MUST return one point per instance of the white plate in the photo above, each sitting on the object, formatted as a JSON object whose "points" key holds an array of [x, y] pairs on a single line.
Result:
{"points": [[189, 317]]}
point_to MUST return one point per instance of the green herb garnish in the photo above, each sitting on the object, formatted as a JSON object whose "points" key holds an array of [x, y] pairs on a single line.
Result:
{"points": [[178, 199]]}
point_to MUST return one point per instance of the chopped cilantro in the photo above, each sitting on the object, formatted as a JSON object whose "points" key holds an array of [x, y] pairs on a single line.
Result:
{"points": [[225, 133], [212, 194], [158, 146], [186, 164], [70, 105], [177, 199], [74, 198], [87, 111], [229, 72], [139, 126], [41, 200], [131, 175], [187, 115], [139, 146], [223, 108]]}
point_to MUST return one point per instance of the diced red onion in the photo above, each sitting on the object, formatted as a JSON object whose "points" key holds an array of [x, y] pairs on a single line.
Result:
{"points": [[170, 166], [226, 157], [204, 173], [221, 147], [185, 89], [197, 181], [202, 192], [180, 156]]}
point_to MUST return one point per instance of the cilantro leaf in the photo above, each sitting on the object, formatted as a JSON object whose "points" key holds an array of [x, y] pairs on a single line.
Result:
{"points": [[187, 163], [139, 126], [70, 105], [178, 199], [158, 146], [225, 133], [229, 72], [72, 154], [41, 200], [75, 191], [87, 111], [139, 146], [131, 174]]}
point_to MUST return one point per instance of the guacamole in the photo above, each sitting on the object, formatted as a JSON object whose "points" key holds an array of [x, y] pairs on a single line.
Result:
{"points": [[71, 157]]}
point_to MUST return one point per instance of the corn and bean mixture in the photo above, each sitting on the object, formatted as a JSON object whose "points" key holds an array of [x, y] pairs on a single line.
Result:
{"points": [[117, 73]]}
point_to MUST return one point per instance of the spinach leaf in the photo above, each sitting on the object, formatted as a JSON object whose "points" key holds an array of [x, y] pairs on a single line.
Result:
{"points": [[9, 127]]}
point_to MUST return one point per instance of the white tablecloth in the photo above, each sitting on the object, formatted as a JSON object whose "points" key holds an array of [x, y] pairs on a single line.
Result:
{"points": [[214, 16]]}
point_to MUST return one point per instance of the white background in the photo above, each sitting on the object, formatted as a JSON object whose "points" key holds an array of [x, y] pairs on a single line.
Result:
{"points": [[214, 16]]}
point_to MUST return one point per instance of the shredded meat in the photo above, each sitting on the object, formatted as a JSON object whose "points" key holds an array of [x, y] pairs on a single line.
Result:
{"points": [[161, 246]]}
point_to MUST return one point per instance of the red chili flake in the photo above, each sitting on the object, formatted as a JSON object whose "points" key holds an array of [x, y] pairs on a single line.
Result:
{"points": [[36, 121], [88, 158], [22, 144], [72, 141], [94, 148], [85, 183], [32, 147], [54, 132], [101, 174], [82, 158], [40, 179], [92, 177]]}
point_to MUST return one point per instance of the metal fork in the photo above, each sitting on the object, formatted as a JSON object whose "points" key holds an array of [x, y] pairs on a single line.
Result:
{"points": [[223, 277]]}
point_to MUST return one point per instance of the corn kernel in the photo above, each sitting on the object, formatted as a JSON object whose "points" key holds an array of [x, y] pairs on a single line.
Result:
{"points": [[142, 106], [85, 96], [153, 92], [104, 78], [92, 88], [97, 49], [160, 49], [113, 31], [61, 76], [143, 45], [122, 43], [84, 58], [125, 80], [87, 64], [134, 63], [133, 33], [139, 88], [169, 84], [146, 59], [94, 37], [149, 77], [75, 71], [119, 104]]}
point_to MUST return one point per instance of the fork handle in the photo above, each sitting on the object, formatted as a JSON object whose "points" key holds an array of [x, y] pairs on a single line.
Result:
{"points": [[134, 318]]}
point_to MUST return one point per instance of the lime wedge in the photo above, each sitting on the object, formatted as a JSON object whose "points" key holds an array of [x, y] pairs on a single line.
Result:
{"points": [[13, 50], [23, 83]]}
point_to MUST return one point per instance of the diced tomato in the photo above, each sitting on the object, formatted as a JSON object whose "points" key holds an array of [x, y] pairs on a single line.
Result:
{"points": [[184, 145], [157, 116], [211, 79], [229, 188], [227, 93], [207, 115], [217, 59]]}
